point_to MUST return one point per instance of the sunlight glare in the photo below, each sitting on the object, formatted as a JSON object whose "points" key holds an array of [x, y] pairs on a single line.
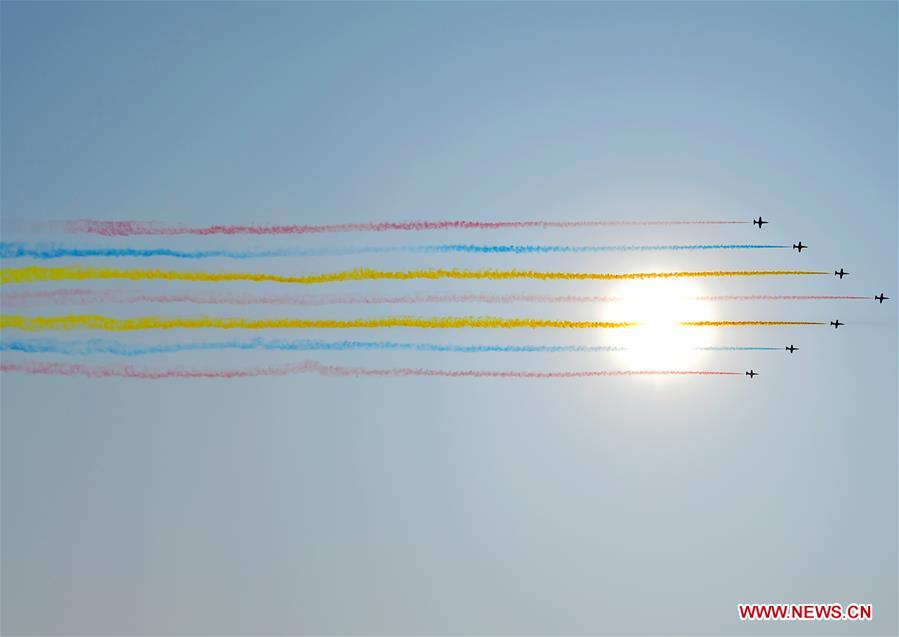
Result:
{"points": [[659, 342]]}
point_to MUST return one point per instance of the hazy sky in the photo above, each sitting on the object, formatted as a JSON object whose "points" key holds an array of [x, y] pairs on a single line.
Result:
{"points": [[308, 505]]}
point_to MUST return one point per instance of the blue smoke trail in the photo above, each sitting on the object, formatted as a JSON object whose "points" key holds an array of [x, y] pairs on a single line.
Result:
{"points": [[101, 346], [52, 251], [739, 349]]}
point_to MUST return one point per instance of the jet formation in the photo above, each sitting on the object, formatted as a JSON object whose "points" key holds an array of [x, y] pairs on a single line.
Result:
{"points": [[799, 247]]}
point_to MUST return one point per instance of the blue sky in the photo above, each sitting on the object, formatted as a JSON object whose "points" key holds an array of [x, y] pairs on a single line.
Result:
{"points": [[307, 505]]}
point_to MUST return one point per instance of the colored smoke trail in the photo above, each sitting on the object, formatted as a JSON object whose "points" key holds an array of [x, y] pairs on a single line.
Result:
{"points": [[314, 367], [19, 250], [746, 323], [779, 297], [134, 228], [81, 296], [740, 349], [100, 346], [97, 322], [36, 273]]}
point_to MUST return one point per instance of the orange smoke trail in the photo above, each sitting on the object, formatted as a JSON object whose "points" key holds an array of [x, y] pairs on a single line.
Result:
{"points": [[746, 323]]}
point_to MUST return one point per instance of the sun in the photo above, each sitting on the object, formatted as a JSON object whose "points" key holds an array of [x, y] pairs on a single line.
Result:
{"points": [[659, 342]]}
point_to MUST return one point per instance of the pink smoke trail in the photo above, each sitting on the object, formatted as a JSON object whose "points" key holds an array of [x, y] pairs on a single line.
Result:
{"points": [[771, 297], [314, 367], [132, 228], [82, 296]]}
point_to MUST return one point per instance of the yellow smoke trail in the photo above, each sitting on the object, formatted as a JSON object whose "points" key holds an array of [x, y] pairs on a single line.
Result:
{"points": [[746, 323], [37, 273], [97, 322]]}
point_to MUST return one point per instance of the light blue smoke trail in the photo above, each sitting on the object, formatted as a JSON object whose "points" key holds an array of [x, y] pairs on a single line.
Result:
{"points": [[53, 251], [101, 346], [739, 349]]}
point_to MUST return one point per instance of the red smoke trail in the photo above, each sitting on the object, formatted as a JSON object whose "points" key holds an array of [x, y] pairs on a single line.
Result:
{"points": [[132, 228], [81, 296], [314, 367], [771, 297]]}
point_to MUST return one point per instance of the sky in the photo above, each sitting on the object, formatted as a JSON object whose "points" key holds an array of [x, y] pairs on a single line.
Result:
{"points": [[319, 505]]}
